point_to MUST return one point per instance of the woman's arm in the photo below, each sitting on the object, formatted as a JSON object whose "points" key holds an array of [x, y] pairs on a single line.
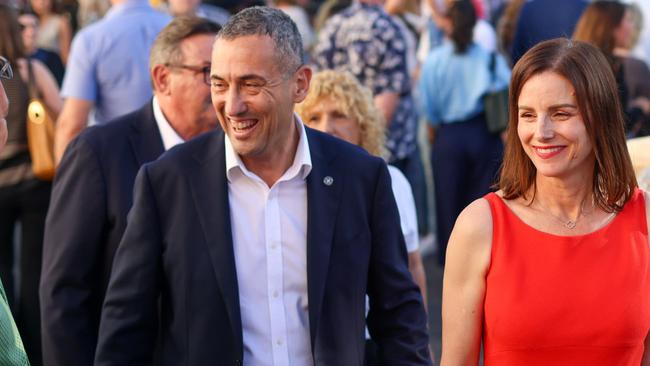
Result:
{"points": [[65, 38], [47, 87], [463, 292], [419, 276]]}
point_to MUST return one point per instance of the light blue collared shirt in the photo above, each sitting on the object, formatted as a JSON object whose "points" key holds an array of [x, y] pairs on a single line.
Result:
{"points": [[452, 85], [109, 60]]}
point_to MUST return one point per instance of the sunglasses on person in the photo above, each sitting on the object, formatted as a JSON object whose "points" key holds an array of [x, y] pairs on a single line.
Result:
{"points": [[5, 69]]}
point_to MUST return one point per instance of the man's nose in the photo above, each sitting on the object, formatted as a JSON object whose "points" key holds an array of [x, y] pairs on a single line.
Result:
{"points": [[235, 104]]}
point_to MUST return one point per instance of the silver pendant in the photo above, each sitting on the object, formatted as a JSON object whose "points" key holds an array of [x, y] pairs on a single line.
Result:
{"points": [[570, 224]]}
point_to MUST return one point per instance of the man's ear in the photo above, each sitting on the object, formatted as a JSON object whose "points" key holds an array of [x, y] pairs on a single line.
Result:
{"points": [[160, 78], [303, 79]]}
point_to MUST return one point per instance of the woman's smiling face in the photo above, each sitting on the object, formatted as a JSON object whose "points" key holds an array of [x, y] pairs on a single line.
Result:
{"points": [[551, 128]]}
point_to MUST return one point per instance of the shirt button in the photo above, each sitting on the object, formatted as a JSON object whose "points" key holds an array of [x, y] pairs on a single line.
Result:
{"points": [[278, 342], [275, 294]]}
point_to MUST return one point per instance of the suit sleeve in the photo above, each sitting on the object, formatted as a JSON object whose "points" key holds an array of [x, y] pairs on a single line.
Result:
{"points": [[129, 318], [396, 319], [71, 250]]}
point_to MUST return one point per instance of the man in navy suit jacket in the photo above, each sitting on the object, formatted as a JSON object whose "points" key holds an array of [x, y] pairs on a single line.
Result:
{"points": [[92, 192], [540, 20], [257, 246]]}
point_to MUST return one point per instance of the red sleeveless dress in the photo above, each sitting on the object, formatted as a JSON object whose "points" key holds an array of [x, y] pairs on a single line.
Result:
{"points": [[567, 300]]}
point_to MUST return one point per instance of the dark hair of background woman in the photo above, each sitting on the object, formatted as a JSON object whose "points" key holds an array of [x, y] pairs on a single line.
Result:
{"points": [[462, 15], [11, 45]]}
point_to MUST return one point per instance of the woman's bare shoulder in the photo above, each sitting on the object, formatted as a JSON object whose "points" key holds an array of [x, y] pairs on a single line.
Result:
{"points": [[474, 225], [470, 245], [476, 214]]}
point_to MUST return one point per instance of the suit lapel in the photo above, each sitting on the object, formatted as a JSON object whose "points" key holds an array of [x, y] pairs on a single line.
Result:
{"points": [[210, 194], [324, 187], [146, 141]]}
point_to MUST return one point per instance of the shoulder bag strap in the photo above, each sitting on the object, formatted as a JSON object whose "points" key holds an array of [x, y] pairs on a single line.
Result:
{"points": [[31, 84], [493, 63]]}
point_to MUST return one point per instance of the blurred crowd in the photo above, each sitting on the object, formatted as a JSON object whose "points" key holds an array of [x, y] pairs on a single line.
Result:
{"points": [[408, 81]]}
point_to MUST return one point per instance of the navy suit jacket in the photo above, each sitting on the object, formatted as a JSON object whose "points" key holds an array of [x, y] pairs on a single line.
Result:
{"points": [[91, 196], [540, 20], [178, 248]]}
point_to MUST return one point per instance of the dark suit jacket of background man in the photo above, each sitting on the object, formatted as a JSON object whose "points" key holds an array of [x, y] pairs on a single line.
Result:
{"points": [[178, 244], [92, 193], [541, 20]]}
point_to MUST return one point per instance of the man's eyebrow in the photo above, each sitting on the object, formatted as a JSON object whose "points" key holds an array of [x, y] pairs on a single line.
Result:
{"points": [[243, 77]]}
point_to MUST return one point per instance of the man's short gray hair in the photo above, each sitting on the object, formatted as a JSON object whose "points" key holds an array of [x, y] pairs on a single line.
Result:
{"points": [[266, 21], [166, 47]]}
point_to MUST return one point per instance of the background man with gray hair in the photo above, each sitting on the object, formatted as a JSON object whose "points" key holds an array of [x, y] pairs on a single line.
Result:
{"points": [[92, 192], [262, 240]]}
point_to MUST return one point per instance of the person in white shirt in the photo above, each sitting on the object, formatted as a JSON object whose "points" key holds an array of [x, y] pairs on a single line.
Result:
{"points": [[92, 191], [257, 244]]}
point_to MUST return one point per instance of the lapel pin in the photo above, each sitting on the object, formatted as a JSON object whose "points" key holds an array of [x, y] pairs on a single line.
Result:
{"points": [[328, 180]]}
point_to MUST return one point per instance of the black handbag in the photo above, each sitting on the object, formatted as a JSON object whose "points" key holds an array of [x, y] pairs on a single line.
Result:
{"points": [[495, 103]]}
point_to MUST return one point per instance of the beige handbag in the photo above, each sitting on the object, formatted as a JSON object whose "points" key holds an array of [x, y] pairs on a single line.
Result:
{"points": [[40, 134]]}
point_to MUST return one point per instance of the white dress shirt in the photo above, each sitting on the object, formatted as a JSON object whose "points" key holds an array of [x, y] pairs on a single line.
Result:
{"points": [[169, 136], [269, 230], [406, 208]]}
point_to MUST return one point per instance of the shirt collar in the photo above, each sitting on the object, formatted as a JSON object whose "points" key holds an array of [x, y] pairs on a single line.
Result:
{"points": [[126, 6], [300, 167], [169, 136]]}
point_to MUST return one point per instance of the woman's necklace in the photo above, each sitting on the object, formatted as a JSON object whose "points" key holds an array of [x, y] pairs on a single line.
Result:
{"points": [[569, 224]]}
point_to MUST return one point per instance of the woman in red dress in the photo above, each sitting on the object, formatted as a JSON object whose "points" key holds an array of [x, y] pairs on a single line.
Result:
{"points": [[554, 268]]}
